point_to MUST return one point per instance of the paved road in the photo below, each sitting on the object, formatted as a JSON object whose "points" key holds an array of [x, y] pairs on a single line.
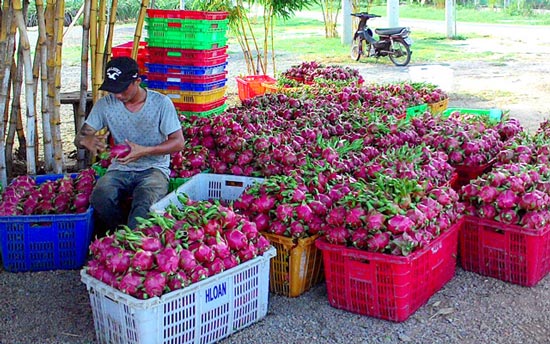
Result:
{"points": [[526, 33]]}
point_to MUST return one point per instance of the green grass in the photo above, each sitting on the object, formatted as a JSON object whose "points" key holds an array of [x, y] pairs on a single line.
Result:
{"points": [[482, 15], [306, 38]]}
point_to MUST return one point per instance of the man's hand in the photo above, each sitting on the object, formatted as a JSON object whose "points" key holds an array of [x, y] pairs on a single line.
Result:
{"points": [[136, 152], [94, 141]]}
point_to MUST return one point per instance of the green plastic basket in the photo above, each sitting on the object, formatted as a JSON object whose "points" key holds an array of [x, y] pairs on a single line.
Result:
{"points": [[415, 111], [100, 171], [173, 184], [176, 183], [208, 113], [181, 43], [194, 25], [493, 115], [211, 37]]}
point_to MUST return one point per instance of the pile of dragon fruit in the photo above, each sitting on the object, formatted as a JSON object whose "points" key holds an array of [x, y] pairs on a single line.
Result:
{"points": [[23, 196], [171, 251], [515, 194], [312, 72], [342, 163], [516, 191]]}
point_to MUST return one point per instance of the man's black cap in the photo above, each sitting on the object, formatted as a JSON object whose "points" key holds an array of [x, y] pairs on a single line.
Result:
{"points": [[119, 74]]}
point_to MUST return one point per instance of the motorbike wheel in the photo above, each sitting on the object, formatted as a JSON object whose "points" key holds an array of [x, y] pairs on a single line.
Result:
{"points": [[356, 50], [400, 54]]}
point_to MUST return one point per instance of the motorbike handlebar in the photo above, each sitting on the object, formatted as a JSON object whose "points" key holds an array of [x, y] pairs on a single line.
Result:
{"points": [[365, 15]]}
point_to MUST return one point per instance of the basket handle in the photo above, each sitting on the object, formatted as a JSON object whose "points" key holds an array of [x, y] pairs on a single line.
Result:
{"points": [[41, 224], [174, 24]]}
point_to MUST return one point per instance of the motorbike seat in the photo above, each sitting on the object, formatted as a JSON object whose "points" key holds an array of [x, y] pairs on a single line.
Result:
{"points": [[389, 31]]}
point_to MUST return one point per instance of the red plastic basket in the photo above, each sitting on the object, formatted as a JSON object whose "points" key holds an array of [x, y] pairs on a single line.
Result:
{"points": [[201, 62], [174, 55], [193, 79], [385, 286], [200, 107], [186, 70], [505, 252], [251, 86], [467, 173], [184, 14], [125, 49]]}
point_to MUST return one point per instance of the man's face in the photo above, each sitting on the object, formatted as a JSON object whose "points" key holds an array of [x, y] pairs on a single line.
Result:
{"points": [[130, 92]]}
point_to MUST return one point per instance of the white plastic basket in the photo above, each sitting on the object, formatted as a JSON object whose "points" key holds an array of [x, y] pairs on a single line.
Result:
{"points": [[204, 312], [205, 186]]}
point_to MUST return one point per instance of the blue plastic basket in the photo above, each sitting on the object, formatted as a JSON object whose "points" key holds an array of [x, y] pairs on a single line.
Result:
{"points": [[186, 70], [185, 86], [45, 242]]}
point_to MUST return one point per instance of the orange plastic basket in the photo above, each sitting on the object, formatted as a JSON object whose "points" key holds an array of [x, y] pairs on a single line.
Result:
{"points": [[438, 107], [297, 267], [273, 88], [195, 97], [252, 86]]}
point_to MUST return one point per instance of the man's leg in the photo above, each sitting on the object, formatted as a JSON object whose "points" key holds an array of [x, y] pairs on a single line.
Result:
{"points": [[106, 198], [150, 186]]}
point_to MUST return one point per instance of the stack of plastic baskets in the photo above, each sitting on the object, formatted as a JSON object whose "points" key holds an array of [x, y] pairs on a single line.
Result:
{"points": [[188, 58], [125, 49]]}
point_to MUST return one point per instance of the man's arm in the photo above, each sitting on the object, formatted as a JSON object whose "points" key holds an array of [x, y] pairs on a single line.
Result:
{"points": [[87, 137], [174, 143]]}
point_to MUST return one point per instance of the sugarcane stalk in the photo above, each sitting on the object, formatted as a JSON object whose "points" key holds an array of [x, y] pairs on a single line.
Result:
{"points": [[26, 49], [7, 43], [100, 48], [50, 66], [81, 153], [75, 19], [56, 115], [110, 32], [240, 27], [96, 75], [273, 46], [35, 77], [15, 120], [267, 21], [139, 27], [16, 77], [46, 116]]}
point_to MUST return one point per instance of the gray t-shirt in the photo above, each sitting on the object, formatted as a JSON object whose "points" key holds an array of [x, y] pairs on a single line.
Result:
{"points": [[149, 126]]}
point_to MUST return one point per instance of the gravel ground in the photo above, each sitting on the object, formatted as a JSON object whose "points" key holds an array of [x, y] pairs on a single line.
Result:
{"points": [[53, 307]]}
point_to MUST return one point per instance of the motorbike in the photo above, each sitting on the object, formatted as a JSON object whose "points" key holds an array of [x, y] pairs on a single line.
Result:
{"points": [[392, 42]]}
